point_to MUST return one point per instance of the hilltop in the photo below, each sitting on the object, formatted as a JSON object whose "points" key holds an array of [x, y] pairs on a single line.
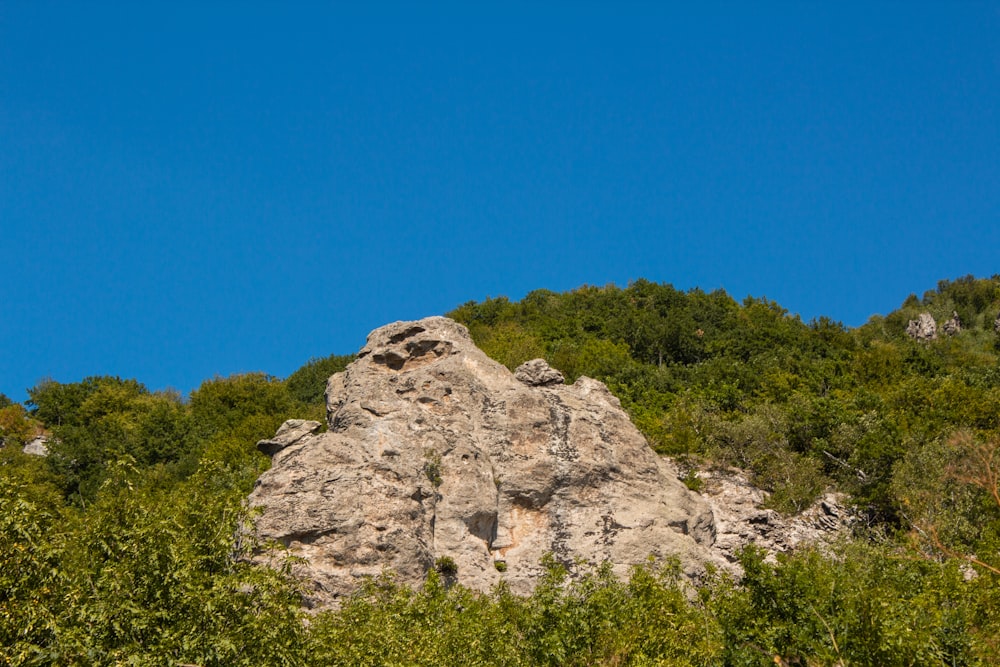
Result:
{"points": [[120, 543]]}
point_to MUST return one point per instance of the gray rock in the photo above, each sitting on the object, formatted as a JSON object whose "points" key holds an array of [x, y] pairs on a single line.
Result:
{"points": [[740, 516], [538, 373], [923, 328], [37, 447], [288, 434], [435, 450], [952, 326], [996, 324]]}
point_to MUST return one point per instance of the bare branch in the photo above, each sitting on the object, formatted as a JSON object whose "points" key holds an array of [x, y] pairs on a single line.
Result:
{"points": [[862, 475]]}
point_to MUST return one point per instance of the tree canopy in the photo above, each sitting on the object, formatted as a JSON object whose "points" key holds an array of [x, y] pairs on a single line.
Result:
{"points": [[122, 546]]}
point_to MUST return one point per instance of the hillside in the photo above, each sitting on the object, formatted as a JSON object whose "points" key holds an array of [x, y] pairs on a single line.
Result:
{"points": [[119, 545], [802, 405]]}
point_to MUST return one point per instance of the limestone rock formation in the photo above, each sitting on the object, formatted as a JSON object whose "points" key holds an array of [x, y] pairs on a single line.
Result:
{"points": [[289, 433], [996, 324], [923, 328], [434, 450], [741, 518], [37, 447], [538, 373], [952, 326]]}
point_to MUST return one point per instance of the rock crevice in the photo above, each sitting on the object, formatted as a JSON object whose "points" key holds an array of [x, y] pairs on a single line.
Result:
{"points": [[435, 450]]}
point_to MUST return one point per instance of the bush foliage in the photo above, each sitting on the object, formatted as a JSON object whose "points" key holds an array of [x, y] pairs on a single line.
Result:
{"points": [[122, 546]]}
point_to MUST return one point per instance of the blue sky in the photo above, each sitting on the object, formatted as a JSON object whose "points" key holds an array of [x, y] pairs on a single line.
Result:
{"points": [[199, 189]]}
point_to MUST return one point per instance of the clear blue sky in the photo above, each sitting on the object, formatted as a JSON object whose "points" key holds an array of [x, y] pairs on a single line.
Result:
{"points": [[193, 189]]}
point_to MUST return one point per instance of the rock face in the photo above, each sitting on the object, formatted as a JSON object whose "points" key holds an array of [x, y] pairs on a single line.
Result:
{"points": [[952, 326], [434, 450], [37, 447], [538, 373], [923, 328], [740, 517], [291, 432]]}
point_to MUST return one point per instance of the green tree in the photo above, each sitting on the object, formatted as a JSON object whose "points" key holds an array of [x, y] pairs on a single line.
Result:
{"points": [[222, 403], [307, 385], [30, 580], [101, 419], [16, 428]]}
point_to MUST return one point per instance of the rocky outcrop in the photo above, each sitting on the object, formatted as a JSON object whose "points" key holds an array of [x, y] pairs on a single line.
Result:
{"points": [[996, 324], [741, 517], [435, 451], [923, 328], [291, 432], [953, 325], [538, 373], [37, 446]]}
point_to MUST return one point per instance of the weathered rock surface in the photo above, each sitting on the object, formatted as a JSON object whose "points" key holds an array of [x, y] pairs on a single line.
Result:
{"points": [[289, 433], [37, 446], [434, 450], [923, 328], [953, 325], [996, 324], [538, 373], [741, 518]]}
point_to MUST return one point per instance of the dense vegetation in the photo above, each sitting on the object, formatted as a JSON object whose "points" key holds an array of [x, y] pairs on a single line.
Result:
{"points": [[121, 546]]}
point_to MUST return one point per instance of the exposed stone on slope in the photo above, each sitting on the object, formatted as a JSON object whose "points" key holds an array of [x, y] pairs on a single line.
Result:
{"points": [[37, 446], [923, 328], [741, 518], [435, 450], [288, 434], [538, 373], [953, 325]]}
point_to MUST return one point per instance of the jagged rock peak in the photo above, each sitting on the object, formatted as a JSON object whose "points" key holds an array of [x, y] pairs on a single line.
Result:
{"points": [[407, 345], [923, 328], [436, 451]]}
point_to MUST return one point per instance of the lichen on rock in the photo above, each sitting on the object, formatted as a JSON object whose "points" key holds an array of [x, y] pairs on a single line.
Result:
{"points": [[923, 329], [436, 451]]}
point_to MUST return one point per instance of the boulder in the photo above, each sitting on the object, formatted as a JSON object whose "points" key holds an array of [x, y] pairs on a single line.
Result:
{"points": [[538, 373], [435, 452], [923, 328], [952, 326], [289, 433], [37, 447]]}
